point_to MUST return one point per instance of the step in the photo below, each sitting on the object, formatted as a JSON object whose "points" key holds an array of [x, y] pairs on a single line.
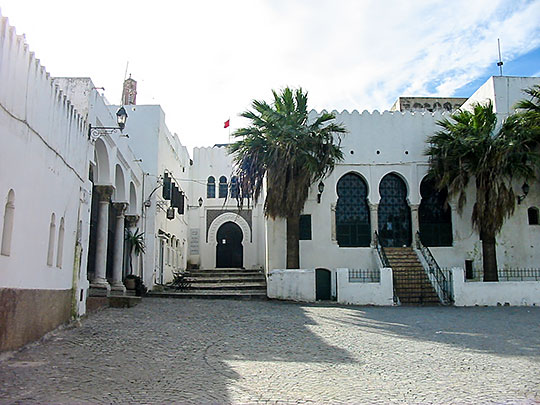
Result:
{"points": [[223, 274], [225, 280], [227, 286], [210, 294]]}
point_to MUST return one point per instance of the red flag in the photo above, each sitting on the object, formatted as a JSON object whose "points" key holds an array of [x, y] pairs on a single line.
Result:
{"points": [[227, 123]]}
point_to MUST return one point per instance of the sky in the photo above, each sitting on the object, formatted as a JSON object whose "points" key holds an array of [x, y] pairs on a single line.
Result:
{"points": [[205, 61]]}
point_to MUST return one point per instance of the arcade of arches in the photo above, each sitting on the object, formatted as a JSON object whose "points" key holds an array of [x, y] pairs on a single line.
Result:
{"points": [[395, 220]]}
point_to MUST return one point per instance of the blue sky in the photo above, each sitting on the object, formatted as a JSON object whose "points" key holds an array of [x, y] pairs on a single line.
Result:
{"points": [[205, 61]]}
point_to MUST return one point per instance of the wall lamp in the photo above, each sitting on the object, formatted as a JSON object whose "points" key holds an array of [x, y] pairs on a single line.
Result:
{"points": [[200, 201], [525, 188], [121, 117], [320, 187]]}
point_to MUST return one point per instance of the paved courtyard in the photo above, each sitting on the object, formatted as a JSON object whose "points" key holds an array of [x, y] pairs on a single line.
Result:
{"points": [[206, 351]]}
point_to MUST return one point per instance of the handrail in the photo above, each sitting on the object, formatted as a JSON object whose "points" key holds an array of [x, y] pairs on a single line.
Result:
{"points": [[380, 250], [434, 269]]}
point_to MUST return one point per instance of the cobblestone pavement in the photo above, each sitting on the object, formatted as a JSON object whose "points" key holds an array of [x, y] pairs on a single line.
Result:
{"points": [[206, 351]]}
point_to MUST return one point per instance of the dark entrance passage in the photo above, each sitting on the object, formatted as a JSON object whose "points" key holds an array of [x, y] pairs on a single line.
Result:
{"points": [[323, 289], [229, 251], [394, 212]]}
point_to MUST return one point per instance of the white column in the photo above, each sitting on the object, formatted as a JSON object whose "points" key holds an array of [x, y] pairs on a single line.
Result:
{"points": [[415, 224], [99, 285], [374, 219], [118, 249]]}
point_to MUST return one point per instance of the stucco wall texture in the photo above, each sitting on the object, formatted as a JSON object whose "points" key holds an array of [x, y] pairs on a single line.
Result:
{"points": [[26, 315]]}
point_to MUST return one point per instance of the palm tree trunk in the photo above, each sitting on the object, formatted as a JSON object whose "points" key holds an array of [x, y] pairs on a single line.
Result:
{"points": [[293, 244], [489, 256]]}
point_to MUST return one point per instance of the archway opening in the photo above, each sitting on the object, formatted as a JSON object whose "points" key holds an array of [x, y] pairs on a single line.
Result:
{"points": [[394, 212], [323, 285], [229, 249]]}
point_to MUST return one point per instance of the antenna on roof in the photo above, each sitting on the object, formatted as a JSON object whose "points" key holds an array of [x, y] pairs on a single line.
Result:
{"points": [[500, 62]]}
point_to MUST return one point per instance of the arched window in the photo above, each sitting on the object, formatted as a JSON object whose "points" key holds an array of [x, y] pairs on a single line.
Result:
{"points": [[394, 213], [353, 227], [532, 213], [7, 229], [434, 215], [234, 187], [447, 106], [52, 232], [211, 187], [60, 250], [223, 187]]}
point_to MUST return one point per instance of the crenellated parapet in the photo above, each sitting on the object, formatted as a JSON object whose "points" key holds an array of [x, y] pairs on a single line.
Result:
{"points": [[29, 96]]}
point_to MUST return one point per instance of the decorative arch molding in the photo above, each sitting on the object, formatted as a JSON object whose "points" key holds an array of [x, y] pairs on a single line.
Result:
{"points": [[405, 179], [119, 184], [229, 217], [357, 173]]}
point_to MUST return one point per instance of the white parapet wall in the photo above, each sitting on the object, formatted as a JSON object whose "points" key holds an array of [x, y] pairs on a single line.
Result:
{"points": [[471, 293], [362, 293], [295, 285]]}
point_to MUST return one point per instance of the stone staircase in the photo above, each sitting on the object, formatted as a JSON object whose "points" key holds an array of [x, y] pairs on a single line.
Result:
{"points": [[411, 282], [222, 283]]}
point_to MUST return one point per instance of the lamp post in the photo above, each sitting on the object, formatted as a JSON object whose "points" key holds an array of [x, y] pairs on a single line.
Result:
{"points": [[525, 189], [200, 201], [121, 117]]}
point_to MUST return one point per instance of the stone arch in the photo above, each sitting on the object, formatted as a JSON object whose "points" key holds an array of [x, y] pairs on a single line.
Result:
{"points": [[133, 207], [119, 184], [402, 177], [228, 217], [102, 162], [7, 228]]}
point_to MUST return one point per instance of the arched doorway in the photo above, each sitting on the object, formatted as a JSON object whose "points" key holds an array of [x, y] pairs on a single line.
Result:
{"points": [[229, 250], [434, 215], [323, 285], [394, 212]]}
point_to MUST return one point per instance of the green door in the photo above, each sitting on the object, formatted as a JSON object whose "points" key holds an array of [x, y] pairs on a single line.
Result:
{"points": [[322, 285]]}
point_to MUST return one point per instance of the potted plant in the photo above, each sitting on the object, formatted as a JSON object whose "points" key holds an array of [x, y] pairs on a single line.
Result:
{"points": [[136, 246]]}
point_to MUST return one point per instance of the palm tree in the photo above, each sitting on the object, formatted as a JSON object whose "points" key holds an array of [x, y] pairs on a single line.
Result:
{"points": [[471, 146], [530, 109], [291, 152]]}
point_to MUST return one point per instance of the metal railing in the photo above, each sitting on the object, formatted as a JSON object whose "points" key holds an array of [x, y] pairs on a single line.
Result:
{"points": [[442, 281], [523, 274], [380, 250], [364, 276]]}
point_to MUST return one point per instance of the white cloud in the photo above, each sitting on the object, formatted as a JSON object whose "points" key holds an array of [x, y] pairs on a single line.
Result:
{"points": [[205, 61]]}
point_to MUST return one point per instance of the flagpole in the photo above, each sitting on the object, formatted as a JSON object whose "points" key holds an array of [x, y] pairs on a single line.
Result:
{"points": [[229, 129]]}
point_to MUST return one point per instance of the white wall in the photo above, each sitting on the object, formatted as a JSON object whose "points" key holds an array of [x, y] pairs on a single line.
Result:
{"points": [[295, 285], [359, 293], [43, 159], [471, 293]]}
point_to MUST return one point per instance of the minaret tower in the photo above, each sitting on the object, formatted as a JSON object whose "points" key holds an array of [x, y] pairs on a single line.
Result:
{"points": [[129, 92]]}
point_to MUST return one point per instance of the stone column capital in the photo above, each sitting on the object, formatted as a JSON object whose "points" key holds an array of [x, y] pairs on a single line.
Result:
{"points": [[131, 220], [373, 206], [104, 193], [120, 208], [414, 207]]}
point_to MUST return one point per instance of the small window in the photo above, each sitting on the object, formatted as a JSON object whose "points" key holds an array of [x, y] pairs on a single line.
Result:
{"points": [[7, 229], [223, 187], [211, 187], [234, 187], [305, 227], [60, 251], [533, 215], [52, 233]]}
